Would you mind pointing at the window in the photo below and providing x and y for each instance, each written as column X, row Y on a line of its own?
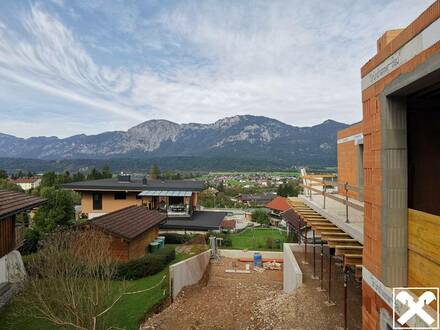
column 97, row 201
column 120, row 195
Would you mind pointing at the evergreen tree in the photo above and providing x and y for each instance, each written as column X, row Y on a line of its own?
column 154, row 172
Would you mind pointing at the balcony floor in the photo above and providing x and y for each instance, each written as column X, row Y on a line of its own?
column 335, row 212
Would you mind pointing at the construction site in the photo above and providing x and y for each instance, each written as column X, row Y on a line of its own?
column 361, row 233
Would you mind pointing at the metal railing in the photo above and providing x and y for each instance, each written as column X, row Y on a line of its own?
column 310, row 182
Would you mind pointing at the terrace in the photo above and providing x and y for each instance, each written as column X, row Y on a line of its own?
column 338, row 202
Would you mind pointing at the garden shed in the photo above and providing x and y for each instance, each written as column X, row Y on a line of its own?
column 131, row 230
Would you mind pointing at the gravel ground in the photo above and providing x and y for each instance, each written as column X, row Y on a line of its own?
column 245, row 301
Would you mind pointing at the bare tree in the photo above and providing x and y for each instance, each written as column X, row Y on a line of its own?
column 70, row 280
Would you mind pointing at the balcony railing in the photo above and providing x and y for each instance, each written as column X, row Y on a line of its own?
column 337, row 191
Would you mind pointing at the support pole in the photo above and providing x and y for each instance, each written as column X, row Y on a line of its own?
column 346, row 202
column 321, row 281
column 329, row 302
column 324, row 192
column 345, row 297
column 314, row 258
column 305, row 248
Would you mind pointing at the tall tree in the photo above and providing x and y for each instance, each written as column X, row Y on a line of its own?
column 8, row 185
column 154, row 172
column 57, row 212
column 3, row 174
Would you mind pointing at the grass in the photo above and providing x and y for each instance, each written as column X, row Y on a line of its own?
column 256, row 239
column 127, row 313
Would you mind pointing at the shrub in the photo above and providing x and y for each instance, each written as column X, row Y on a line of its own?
column 260, row 216
column 171, row 238
column 151, row 264
column 227, row 242
column 269, row 243
column 31, row 240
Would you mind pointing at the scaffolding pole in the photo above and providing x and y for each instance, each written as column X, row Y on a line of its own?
column 321, row 280
column 305, row 247
column 345, row 297
column 329, row 302
column 314, row 256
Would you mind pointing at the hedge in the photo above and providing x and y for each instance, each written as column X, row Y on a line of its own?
column 171, row 238
column 151, row 264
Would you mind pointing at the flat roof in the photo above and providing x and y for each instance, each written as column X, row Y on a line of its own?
column 199, row 221
column 136, row 185
column 12, row 202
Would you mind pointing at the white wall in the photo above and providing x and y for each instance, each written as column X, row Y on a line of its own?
column 292, row 274
column 188, row 272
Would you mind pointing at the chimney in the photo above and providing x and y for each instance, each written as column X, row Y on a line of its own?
column 124, row 177
column 144, row 180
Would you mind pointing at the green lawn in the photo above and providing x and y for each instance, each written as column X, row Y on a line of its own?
column 126, row 314
column 256, row 239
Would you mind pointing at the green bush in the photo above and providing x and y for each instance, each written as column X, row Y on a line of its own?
column 227, row 242
column 260, row 216
column 176, row 238
column 31, row 240
column 151, row 264
column 269, row 243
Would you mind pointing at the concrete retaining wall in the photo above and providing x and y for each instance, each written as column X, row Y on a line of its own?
column 292, row 274
column 188, row 272
column 249, row 254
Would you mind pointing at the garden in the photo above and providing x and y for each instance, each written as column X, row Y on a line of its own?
column 266, row 239
column 72, row 284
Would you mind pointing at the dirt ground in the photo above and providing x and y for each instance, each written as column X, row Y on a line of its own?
column 246, row 301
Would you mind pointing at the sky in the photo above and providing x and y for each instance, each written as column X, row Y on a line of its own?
column 88, row 66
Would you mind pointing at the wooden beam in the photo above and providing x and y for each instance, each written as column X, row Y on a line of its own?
column 353, row 259
column 335, row 233
column 341, row 250
column 332, row 237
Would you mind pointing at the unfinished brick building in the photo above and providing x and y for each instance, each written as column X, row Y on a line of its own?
column 401, row 161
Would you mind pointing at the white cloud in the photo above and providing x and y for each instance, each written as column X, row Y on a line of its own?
column 50, row 59
column 297, row 61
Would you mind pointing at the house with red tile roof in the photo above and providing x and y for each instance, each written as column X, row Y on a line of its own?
column 28, row 183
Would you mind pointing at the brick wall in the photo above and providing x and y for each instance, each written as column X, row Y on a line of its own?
column 347, row 158
column 372, row 153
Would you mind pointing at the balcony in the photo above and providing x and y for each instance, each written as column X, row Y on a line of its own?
column 339, row 202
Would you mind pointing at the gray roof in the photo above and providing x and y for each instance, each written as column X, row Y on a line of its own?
column 199, row 221
column 169, row 193
column 136, row 185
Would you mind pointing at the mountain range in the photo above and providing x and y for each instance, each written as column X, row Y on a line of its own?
column 238, row 137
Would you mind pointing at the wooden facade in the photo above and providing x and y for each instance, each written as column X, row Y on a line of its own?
column 7, row 235
column 423, row 249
